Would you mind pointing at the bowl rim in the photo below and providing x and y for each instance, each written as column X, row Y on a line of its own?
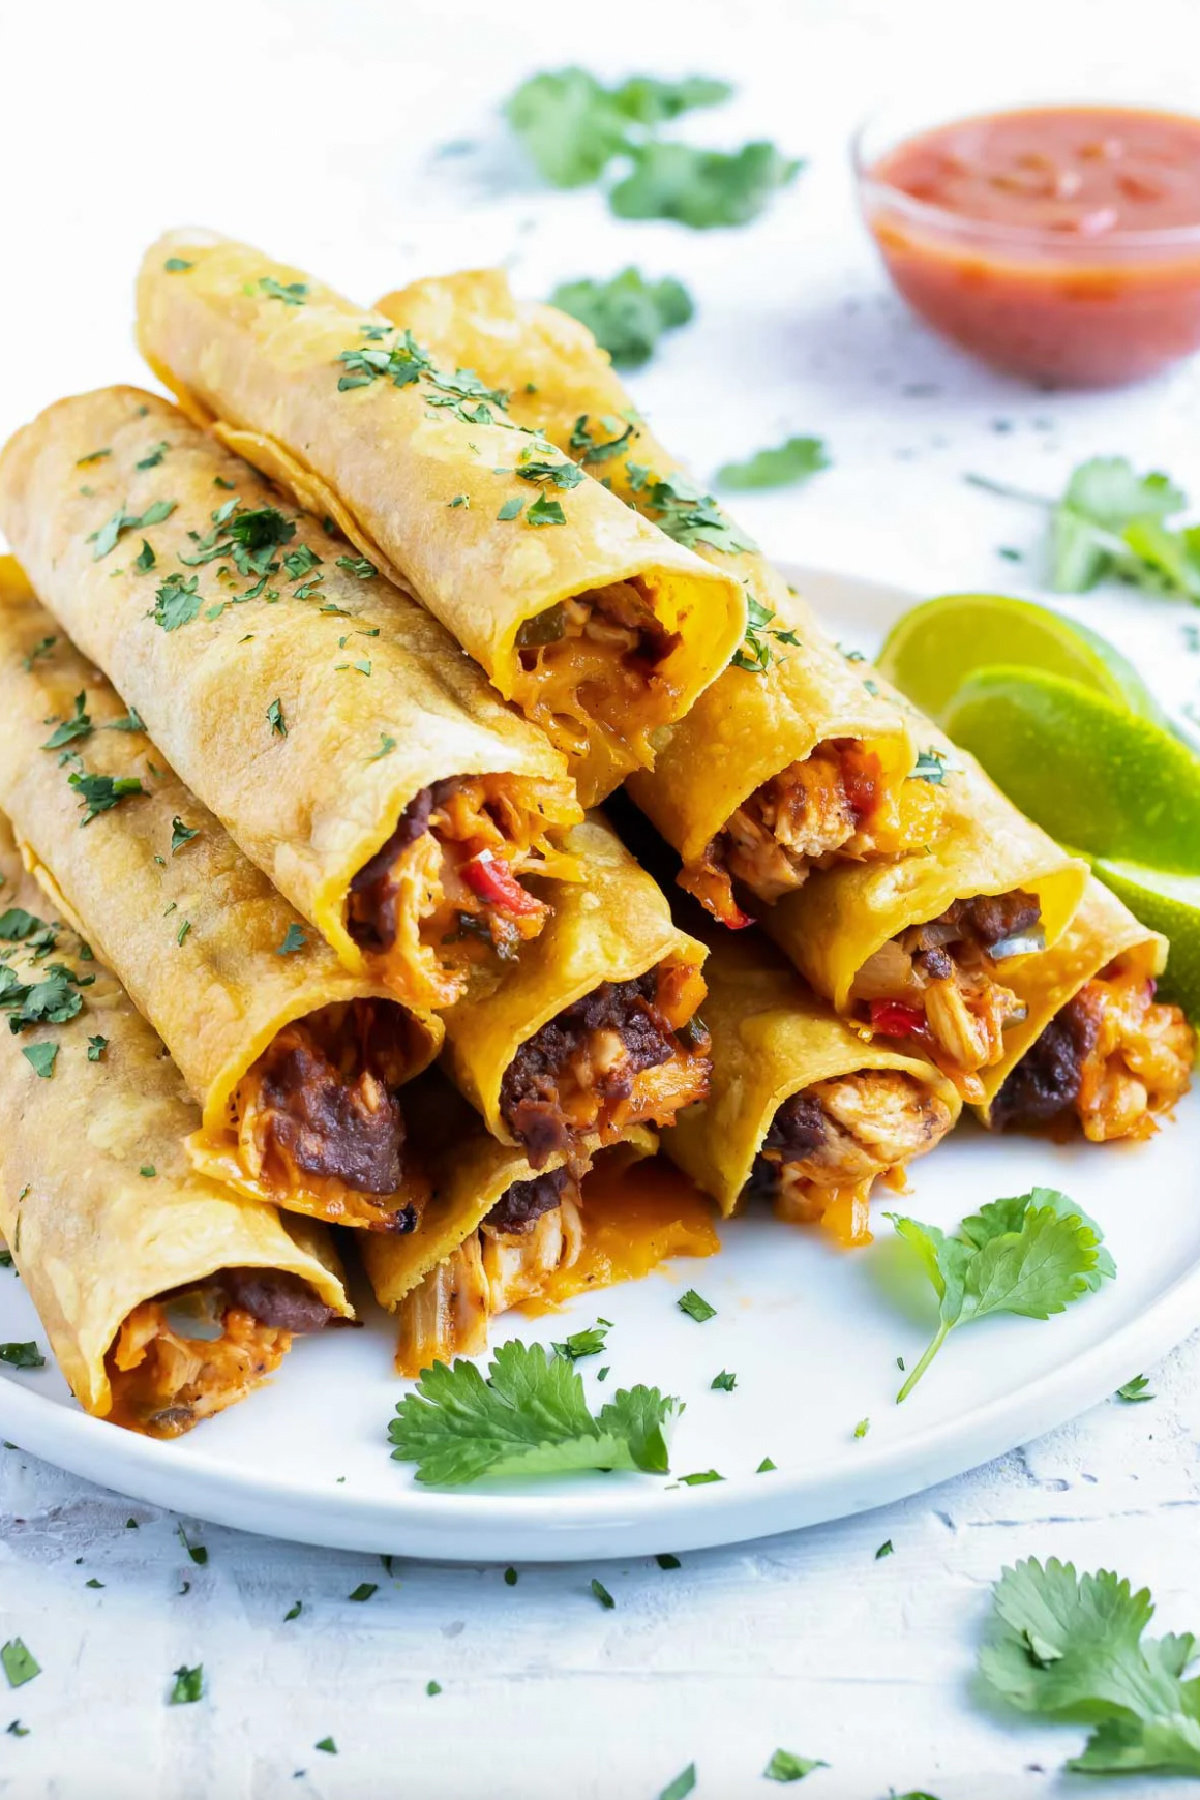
column 946, row 221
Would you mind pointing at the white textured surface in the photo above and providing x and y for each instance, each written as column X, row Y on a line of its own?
column 307, row 127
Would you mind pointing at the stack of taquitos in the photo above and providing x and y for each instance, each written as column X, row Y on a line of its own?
column 165, row 1296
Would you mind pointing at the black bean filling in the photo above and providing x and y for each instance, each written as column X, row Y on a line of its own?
column 1046, row 1081
column 799, row 1127
column 526, row 1201
column 374, row 890
column 277, row 1298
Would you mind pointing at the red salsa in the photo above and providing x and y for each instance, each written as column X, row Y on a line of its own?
column 1061, row 243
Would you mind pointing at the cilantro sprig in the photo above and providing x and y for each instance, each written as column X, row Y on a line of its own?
column 755, row 653
column 528, row 1418
column 1072, row 1647
column 627, row 314
column 796, row 459
column 1032, row 1255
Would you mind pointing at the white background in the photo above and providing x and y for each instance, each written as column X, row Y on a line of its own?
column 313, row 130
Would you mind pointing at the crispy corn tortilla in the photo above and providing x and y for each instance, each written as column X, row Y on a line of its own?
column 92, row 1234
column 217, row 992
column 772, row 1038
column 415, row 474
column 610, row 927
column 746, row 727
column 311, row 799
column 1102, row 929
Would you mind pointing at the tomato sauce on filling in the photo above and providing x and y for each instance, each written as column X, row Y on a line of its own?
column 1037, row 240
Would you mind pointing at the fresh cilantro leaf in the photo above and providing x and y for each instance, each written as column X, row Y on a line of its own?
column 797, row 459
column 147, row 1171
column 649, row 101
column 1103, row 498
column 74, row 729
column 511, row 508
column 293, row 293
column 785, row 1765
column 41, row 1059
column 19, row 1663
column 701, row 1478
column 300, row 562
column 145, row 558
column 1135, row 1390
column 177, row 601
column 887, row 1548
column 275, row 718
column 41, row 650
column 132, row 721
column 543, row 473
column 153, row 457
column 602, row 1594
column 686, row 514
column 1072, row 1647
column 695, row 1307
column 701, row 188
column 765, row 1467
column 510, row 1578
column 528, row 1418
column 725, row 1381
column 682, row 1785
column 433, row 1688
column 569, row 124
column 106, row 538
column 327, row 1744
column 1032, row 1255
column 19, row 926
column 862, row 1428
column 22, row 1356
column 545, row 512
column 181, row 834
column 364, row 1590
column 756, row 652
column 197, row 1552
column 358, row 566
column 588, row 1342
column 932, row 766
column 175, row 265
column 100, row 793
column 386, row 746
column 49, row 1002
column 96, row 1048
column 666, row 1561
column 189, row 1686
column 626, row 314
column 600, row 449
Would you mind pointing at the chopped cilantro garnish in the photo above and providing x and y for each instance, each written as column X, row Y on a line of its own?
column 148, row 1171
column 91, row 457
column 545, row 512
column 327, row 1744
column 463, row 500
column 543, row 473
column 364, row 1590
column 197, row 1552
column 511, row 508
column 177, row 601
column 22, row 1356
column 433, row 1688
column 600, row 449
column 795, row 460
column 299, row 562
column 19, row 1663
column 41, row 650
column 931, row 766
column 626, row 314
column 862, row 1428
column 293, row 1611
column 1032, row 1255
column 682, row 1786
column 49, row 1002
column 153, row 457
column 275, row 718
column 725, row 1381
column 175, row 265
column 1135, row 1390
column 695, row 1307
column 144, row 561
column 294, row 293
column 702, row 188
column 358, row 566
column 887, row 1548
column 755, row 653
column 588, row 1342
column 1073, row 1647
column 183, row 932
column 686, row 514
column 701, row 1478
column 189, row 1685
column 293, row 939
column 765, row 1467
column 19, row 926
column 510, row 1578
column 100, row 793
column 96, row 1048
column 41, row 1058
column 529, row 1417
column 666, row 1561
column 181, row 834
column 106, row 538
column 602, row 1594
column 386, row 746
column 572, row 127
column 77, row 727
column 14, row 1728
column 785, row 1765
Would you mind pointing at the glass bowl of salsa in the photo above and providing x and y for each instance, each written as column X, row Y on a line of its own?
column 1060, row 242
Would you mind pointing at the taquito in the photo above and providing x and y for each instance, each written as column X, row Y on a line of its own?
column 165, row 1297
column 594, row 1028
column 1095, row 1049
column 596, row 626
column 295, row 1062
column 926, row 951
column 498, row 1234
column 796, row 757
column 801, row 1110
column 352, row 750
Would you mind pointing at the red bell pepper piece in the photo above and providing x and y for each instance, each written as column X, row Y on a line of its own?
column 494, row 882
column 894, row 1019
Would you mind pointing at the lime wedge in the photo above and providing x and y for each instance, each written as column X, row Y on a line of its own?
column 1170, row 904
column 932, row 650
column 1090, row 772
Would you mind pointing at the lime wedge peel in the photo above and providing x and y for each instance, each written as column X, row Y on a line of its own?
column 1166, row 903
column 936, row 646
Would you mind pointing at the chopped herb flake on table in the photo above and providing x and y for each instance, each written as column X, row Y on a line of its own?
column 602, row 1594
column 682, row 1785
column 696, row 1307
column 588, row 1342
column 1135, row 1390
column 725, row 1381
column 785, row 1765
column 19, row 1663
column 22, row 1356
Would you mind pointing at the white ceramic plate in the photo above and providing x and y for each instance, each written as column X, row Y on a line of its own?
column 812, row 1334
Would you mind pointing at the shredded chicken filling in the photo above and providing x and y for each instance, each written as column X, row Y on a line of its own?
column 317, row 1121
column 829, row 1144
column 1112, row 1059
column 938, row 983
column 838, row 805
column 594, row 666
column 496, row 1268
column 442, row 901
column 182, row 1358
column 628, row 1053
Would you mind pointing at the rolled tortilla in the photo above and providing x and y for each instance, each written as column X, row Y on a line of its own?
column 114, row 1233
column 294, row 1061
column 1094, row 1047
column 599, row 629
column 726, row 774
column 318, row 717
column 498, row 1234
column 868, row 1109
column 592, row 1030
